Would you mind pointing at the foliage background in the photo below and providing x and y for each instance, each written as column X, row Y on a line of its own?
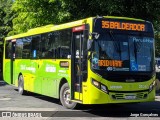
column 17, row 16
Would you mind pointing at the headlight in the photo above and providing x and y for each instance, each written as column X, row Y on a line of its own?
column 95, row 83
column 100, row 86
column 104, row 88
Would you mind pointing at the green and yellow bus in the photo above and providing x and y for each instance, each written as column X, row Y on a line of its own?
column 97, row 60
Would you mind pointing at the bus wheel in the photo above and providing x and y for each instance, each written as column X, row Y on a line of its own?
column 21, row 85
column 65, row 97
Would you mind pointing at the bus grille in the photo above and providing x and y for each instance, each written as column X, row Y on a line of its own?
column 122, row 96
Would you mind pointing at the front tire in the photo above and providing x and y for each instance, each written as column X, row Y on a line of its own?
column 65, row 97
column 21, row 85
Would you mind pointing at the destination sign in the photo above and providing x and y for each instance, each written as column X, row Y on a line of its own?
column 123, row 25
column 110, row 63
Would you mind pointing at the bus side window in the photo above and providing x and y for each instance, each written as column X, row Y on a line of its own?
column 26, row 50
column 35, row 50
column 44, row 45
column 51, row 45
column 8, row 49
column 65, row 38
column 19, row 48
column 64, row 52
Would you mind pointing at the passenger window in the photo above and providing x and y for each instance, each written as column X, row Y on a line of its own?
column 26, row 52
column 35, row 49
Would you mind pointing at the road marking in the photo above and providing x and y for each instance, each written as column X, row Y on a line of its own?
column 27, row 109
column 5, row 99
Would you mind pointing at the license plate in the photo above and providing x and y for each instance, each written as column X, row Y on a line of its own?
column 130, row 97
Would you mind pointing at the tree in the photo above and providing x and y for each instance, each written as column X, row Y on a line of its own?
column 34, row 13
column 6, row 16
column 157, row 43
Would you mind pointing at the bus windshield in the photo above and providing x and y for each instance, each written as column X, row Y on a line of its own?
column 123, row 52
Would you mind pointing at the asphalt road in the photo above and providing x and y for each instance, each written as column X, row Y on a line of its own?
column 33, row 106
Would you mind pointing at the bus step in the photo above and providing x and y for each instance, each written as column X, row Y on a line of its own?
column 77, row 101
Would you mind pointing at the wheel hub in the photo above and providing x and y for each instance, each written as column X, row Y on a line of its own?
column 67, row 96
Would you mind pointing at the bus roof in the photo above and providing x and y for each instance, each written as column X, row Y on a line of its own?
column 49, row 28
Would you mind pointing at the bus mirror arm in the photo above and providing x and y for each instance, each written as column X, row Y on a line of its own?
column 89, row 44
column 90, row 47
column 90, row 55
column 94, row 36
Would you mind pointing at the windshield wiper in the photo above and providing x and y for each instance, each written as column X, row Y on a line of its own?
column 136, row 49
column 116, row 43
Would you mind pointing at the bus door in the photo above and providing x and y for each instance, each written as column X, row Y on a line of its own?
column 12, row 70
column 78, row 62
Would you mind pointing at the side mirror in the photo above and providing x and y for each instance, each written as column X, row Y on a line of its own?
column 94, row 36
column 89, row 44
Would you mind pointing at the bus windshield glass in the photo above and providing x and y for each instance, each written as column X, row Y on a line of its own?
column 127, row 50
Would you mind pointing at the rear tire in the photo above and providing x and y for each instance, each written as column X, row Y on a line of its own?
column 21, row 85
column 65, row 97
